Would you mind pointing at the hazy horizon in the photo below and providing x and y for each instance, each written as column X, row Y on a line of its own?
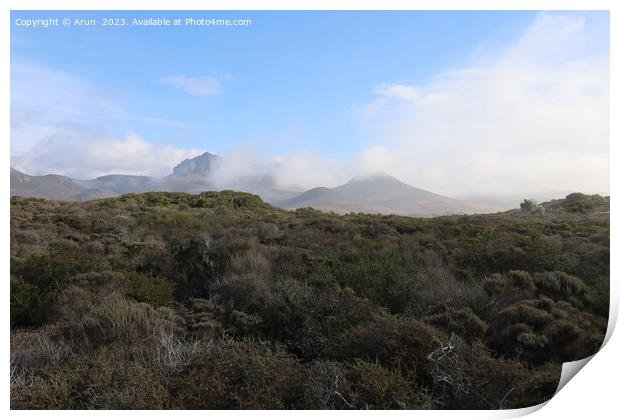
column 487, row 106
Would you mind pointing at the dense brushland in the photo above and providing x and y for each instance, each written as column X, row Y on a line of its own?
column 218, row 300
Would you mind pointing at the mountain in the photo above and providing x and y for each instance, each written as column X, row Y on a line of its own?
column 404, row 199
column 201, row 166
column 55, row 187
column 188, row 176
column 326, row 199
column 121, row 184
column 382, row 194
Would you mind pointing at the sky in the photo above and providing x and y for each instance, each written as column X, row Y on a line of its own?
column 476, row 104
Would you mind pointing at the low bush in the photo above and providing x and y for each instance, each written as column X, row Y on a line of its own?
column 463, row 322
column 231, row 374
column 109, row 380
column 143, row 288
column 542, row 330
column 394, row 341
column 363, row 385
column 118, row 320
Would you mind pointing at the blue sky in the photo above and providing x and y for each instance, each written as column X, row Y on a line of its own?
column 295, row 76
column 332, row 85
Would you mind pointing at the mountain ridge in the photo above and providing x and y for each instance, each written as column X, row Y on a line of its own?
column 377, row 193
column 385, row 194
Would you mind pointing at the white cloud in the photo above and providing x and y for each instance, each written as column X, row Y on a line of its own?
column 59, row 125
column 76, row 158
column 196, row 86
column 296, row 171
column 402, row 92
column 45, row 102
column 534, row 117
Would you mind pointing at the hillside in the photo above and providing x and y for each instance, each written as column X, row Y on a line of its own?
column 326, row 199
column 405, row 199
column 188, row 176
column 381, row 194
column 56, row 187
column 219, row 300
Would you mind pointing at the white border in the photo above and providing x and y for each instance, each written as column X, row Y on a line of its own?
column 592, row 394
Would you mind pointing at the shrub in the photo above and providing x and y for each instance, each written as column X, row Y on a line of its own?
column 527, row 205
column 28, row 307
column 109, row 380
column 118, row 320
column 463, row 322
column 150, row 256
column 363, row 385
column 40, row 277
column 53, row 271
column 324, row 314
column 193, row 270
column 396, row 342
column 375, row 387
column 250, row 261
column 437, row 289
column 33, row 350
column 173, row 354
column 257, row 296
column 508, row 383
column 380, row 276
column 154, row 291
column 542, row 330
column 245, row 374
column 559, row 285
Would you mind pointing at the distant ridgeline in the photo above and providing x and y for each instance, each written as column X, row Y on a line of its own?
column 378, row 193
column 374, row 194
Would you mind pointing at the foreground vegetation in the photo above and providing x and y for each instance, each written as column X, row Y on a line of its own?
column 217, row 301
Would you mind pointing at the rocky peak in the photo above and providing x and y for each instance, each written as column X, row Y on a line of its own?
column 200, row 165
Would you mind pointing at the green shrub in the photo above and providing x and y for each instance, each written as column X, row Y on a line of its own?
column 542, row 330
column 243, row 374
column 382, row 276
column 151, row 290
column 463, row 322
column 559, row 285
column 394, row 341
column 27, row 305
column 42, row 276
column 193, row 270
column 260, row 298
column 52, row 271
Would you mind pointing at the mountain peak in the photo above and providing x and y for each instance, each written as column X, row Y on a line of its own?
column 200, row 165
column 373, row 176
column 377, row 180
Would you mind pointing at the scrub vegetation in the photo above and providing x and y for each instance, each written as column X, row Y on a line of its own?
column 220, row 301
